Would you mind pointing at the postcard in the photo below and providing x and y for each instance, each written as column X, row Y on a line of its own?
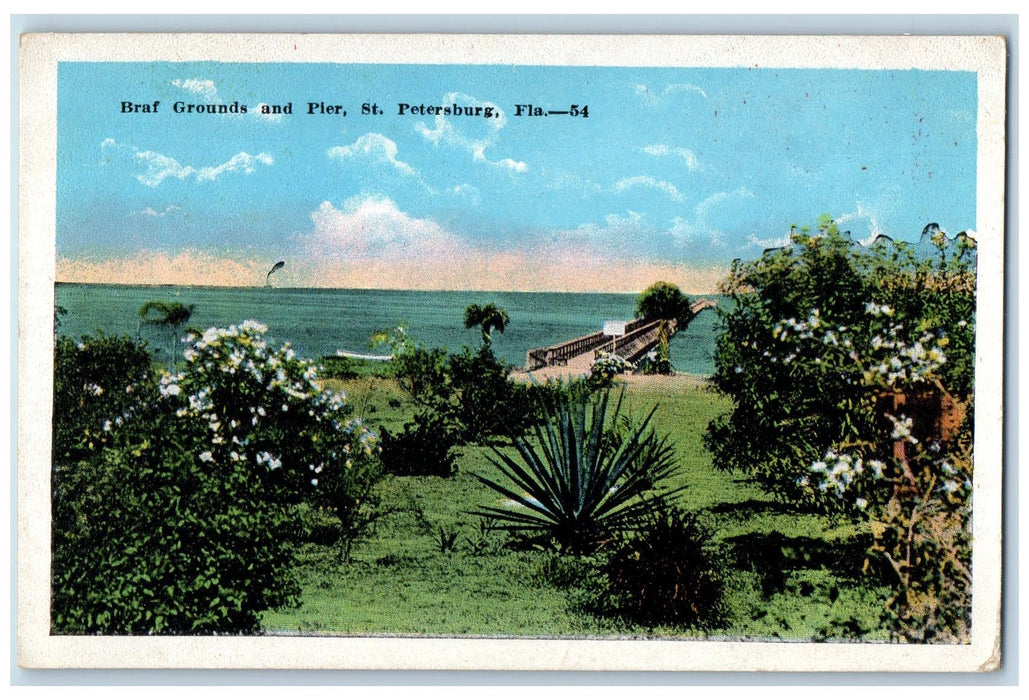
column 510, row 352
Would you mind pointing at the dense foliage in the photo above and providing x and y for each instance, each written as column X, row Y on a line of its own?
column 663, row 573
column 95, row 380
column 468, row 397
column 178, row 513
column 663, row 300
column 425, row 447
column 851, row 373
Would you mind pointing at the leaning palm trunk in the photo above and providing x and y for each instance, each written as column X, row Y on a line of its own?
column 579, row 482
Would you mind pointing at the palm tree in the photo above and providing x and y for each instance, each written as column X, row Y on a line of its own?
column 488, row 318
column 166, row 314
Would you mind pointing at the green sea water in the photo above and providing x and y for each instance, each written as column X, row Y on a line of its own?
column 320, row 322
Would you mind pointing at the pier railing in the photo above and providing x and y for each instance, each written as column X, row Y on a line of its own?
column 640, row 336
column 635, row 344
column 560, row 353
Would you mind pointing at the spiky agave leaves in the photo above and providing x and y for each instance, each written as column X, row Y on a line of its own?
column 580, row 481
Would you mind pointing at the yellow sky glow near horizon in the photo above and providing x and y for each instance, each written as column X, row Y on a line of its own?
column 515, row 272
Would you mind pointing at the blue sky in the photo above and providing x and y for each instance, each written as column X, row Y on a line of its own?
column 675, row 172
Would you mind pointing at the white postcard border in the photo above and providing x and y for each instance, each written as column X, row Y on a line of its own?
column 40, row 55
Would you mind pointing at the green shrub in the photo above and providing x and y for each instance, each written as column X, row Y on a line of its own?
column 605, row 367
column 180, row 515
column 425, row 447
column 338, row 367
column 663, row 574
column 579, row 483
column 471, row 392
column 664, row 300
column 98, row 381
column 817, row 332
column 851, row 370
column 149, row 539
column 487, row 402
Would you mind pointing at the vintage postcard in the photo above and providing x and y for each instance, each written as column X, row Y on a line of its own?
column 510, row 352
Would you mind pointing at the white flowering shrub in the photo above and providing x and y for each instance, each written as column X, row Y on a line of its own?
column 182, row 515
column 851, row 374
column 605, row 366
column 264, row 408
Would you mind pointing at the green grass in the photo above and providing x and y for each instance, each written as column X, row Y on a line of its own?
column 787, row 575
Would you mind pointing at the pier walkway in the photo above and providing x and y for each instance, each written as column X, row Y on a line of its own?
column 575, row 357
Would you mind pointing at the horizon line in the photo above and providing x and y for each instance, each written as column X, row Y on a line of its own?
column 364, row 289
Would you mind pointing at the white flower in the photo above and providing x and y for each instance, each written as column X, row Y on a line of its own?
column 206, row 456
column 860, row 503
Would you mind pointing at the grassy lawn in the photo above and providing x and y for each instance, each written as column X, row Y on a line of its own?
column 429, row 568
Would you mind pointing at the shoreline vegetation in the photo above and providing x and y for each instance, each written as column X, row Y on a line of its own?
column 806, row 490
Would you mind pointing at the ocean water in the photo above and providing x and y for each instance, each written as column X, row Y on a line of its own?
column 319, row 322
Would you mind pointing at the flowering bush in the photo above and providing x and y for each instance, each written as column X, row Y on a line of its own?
column 264, row 408
column 97, row 381
column 180, row 518
column 604, row 368
column 851, row 372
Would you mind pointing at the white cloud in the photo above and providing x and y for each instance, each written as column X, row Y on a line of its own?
column 675, row 88
column 655, row 94
column 468, row 192
column 369, row 242
column 159, row 167
column 373, row 226
column 650, row 183
column 241, row 162
column 152, row 213
column 701, row 229
column 862, row 214
column 617, row 228
column 509, row 163
column 718, row 197
column 660, row 150
column 766, row 243
column 197, row 86
column 446, row 133
column 374, row 147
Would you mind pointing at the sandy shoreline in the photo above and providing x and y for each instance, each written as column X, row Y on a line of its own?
column 678, row 379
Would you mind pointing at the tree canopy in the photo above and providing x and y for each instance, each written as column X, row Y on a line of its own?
column 488, row 317
column 664, row 300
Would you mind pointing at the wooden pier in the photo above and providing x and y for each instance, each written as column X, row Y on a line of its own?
column 640, row 337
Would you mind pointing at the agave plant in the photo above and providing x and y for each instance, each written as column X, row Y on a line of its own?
column 579, row 481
